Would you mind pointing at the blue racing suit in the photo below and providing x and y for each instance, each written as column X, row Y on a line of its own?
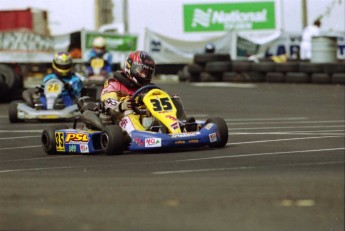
column 108, row 58
column 72, row 90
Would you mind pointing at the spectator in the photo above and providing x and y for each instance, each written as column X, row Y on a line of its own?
column 307, row 34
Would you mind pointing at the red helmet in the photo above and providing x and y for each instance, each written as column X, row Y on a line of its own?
column 139, row 68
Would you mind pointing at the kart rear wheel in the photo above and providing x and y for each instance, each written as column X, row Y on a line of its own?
column 112, row 140
column 13, row 112
column 48, row 139
column 223, row 131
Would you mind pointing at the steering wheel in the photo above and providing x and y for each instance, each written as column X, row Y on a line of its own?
column 139, row 92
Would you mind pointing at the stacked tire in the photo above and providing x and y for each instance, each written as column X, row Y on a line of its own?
column 10, row 82
column 206, row 68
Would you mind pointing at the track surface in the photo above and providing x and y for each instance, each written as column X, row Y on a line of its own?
column 283, row 169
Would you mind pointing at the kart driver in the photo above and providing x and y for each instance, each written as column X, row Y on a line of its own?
column 62, row 66
column 99, row 50
column 138, row 70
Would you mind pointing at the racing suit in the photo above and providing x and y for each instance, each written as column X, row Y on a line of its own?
column 115, row 91
column 72, row 88
column 107, row 57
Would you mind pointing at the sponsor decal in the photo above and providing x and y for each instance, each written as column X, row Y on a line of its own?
column 229, row 16
column 208, row 126
column 110, row 103
column 180, row 142
column 153, row 142
column 76, row 137
column 123, row 123
column 84, row 148
column 174, row 126
column 186, row 134
column 193, row 141
column 59, row 140
column 72, row 148
column 139, row 141
column 213, row 137
column 171, row 117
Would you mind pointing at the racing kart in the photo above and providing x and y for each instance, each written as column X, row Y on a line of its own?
column 48, row 104
column 97, row 71
column 158, row 122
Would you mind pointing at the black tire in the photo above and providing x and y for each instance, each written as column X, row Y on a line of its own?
column 112, row 140
column 275, row 77
column 320, row 78
column 310, row 67
column 338, row 78
column 202, row 59
column 210, row 77
column 223, row 131
column 8, row 76
column 13, row 111
column 241, row 66
column 256, row 77
column 286, row 67
column 218, row 67
column 183, row 76
column 263, row 66
column 194, row 68
column 296, row 77
column 48, row 139
column 232, row 77
column 331, row 68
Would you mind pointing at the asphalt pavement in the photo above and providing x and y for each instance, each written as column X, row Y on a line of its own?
column 282, row 169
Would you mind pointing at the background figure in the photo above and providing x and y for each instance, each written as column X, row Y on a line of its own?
column 99, row 50
column 307, row 34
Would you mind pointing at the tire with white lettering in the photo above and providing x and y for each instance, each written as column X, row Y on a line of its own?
column 223, row 132
column 113, row 140
column 49, row 139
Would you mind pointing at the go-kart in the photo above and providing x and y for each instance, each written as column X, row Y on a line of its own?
column 157, row 122
column 48, row 104
column 97, row 71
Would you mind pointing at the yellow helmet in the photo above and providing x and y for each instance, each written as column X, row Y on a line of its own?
column 62, row 63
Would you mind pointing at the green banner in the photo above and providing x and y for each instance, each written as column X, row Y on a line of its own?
column 115, row 42
column 229, row 16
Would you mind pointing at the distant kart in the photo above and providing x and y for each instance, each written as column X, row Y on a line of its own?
column 153, row 125
column 50, row 105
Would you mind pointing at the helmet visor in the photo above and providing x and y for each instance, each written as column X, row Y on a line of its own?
column 143, row 73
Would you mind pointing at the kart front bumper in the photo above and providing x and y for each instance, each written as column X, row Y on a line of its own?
column 26, row 113
column 143, row 140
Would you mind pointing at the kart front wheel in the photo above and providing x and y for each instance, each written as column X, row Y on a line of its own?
column 223, row 132
column 13, row 112
column 49, row 139
column 112, row 140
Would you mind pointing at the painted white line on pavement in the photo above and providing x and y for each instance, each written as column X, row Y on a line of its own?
column 38, row 169
column 264, row 128
column 222, row 84
column 266, row 119
column 18, row 137
column 248, row 167
column 278, row 140
column 32, row 146
column 262, row 154
column 291, row 122
column 39, row 158
column 321, row 133
column 20, row 131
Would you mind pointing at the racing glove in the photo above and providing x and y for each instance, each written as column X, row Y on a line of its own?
column 126, row 104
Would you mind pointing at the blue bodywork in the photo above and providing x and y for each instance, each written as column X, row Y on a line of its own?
column 82, row 141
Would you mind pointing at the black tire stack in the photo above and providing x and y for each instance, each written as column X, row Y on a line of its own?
column 206, row 68
column 10, row 82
